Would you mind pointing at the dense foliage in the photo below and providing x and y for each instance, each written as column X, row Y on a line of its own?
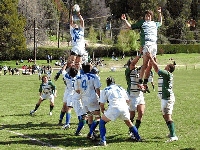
column 102, row 21
column 11, row 29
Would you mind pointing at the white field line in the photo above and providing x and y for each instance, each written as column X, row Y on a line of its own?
column 46, row 144
column 33, row 139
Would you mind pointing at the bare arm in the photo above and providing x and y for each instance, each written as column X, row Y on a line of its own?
column 154, row 64
column 102, row 107
column 159, row 15
column 81, row 20
column 64, row 67
column 97, row 91
column 134, row 61
column 123, row 17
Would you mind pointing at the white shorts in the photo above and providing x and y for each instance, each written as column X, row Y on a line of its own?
column 113, row 113
column 67, row 98
column 150, row 79
column 135, row 101
column 47, row 96
column 77, row 104
column 78, row 50
column 160, row 96
column 151, row 48
column 91, row 103
column 167, row 105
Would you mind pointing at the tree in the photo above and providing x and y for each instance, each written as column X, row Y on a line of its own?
column 11, row 29
column 92, row 35
column 127, row 40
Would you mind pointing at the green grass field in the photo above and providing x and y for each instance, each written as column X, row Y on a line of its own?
column 20, row 131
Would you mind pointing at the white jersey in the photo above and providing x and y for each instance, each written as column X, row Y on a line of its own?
column 150, row 31
column 69, row 81
column 78, row 42
column 87, row 83
column 115, row 95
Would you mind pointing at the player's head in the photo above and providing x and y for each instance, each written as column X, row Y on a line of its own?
column 73, row 72
column 95, row 70
column 148, row 15
column 110, row 80
column 44, row 78
column 76, row 26
column 86, row 67
column 170, row 67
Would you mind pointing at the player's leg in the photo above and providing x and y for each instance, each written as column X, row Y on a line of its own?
column 95, row 123
column 102, row 129
column 37, row 105
column 51, row 104
column 142, row 71
column 140, row 110
column 82, row 121
column 167, row 108
column 146, row 76
column 62, row 113
column 68, row 117
column 64, row 108
column 132, row 129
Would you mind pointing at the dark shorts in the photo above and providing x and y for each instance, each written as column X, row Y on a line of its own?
column 72, row 53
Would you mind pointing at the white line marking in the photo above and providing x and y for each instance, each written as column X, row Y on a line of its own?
column 33, row 139
column 46, row 144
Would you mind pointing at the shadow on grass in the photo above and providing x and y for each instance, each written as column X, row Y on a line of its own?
column 30, row 125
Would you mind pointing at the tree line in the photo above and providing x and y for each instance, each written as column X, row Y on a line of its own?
column 25, row 23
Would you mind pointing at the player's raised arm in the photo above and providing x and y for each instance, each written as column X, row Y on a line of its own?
column 160, row 15
column 123, row 17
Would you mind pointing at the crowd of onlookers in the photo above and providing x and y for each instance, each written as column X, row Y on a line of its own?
column 26, row 69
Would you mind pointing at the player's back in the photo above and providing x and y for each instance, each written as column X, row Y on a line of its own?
column 116, row 95
column 88, row 83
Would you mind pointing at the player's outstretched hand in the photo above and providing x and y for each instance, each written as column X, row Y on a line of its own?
column 123, row 17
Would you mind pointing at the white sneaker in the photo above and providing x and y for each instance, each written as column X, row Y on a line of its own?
column 132, row 136
column 32, row 112
column 171, row 139
column 66, row 126
column 50, row 113
column 102, row 143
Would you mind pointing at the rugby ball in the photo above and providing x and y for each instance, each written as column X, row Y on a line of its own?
column 76, row 8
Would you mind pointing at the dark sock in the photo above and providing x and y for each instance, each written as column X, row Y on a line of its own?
column 51, row 108
column 62, row 114
column 140, row 81
column 145, row 81
column 36, row 107
column 171, row 127
column 137, row 124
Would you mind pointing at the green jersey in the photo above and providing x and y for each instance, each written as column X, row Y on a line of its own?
column 167, row 84
column 148, row 30
column 47, row 88
column 128, row 79
column 132, row 79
